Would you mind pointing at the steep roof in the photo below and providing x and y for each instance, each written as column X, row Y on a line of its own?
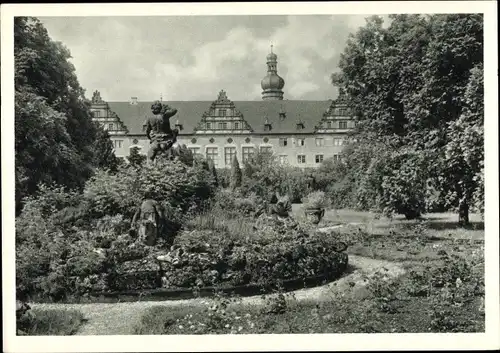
column 254, row 112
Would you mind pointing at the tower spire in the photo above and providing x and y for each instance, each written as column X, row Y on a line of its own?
column 272, row 84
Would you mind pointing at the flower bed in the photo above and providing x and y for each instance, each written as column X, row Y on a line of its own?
column 204, row 259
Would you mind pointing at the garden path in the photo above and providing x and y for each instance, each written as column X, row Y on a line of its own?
column 120, row 318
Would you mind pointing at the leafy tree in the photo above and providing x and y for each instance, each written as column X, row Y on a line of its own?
column 54, row 133
column 135, row 158
column 407, row 86
column 235, row 174
column 104, row 154
column 463, row 162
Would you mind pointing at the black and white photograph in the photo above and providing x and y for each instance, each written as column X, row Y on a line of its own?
column 224, row 171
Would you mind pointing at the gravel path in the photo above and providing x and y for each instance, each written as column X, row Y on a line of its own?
column 120, row 318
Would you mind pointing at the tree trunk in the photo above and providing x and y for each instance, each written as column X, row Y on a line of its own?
column 463, row 213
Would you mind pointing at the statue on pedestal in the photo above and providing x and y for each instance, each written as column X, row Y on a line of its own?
column 162, row 137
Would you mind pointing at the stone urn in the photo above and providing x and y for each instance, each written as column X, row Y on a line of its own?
column 314, row 215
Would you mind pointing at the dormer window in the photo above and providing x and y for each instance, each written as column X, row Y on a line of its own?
column 300, row 125
column 282, row 114
column 267, row 125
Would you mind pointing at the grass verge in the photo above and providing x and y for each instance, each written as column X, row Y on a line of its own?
column 50, row 322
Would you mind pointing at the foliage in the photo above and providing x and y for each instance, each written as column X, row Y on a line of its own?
column 213, row 171
column 104, row 153
column 54, row 133
column 463, row 163
column 264, row 176
column 50, row 322
column 135, row 158
column 409, row 84
column 235, row 203
column 213, row 252
column 316, row 199
column 70, row 244
column 235, row 174
column 169, row 182
column 408, row 303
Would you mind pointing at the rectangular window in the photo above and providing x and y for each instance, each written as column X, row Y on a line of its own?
column 329, row 124
column 266, row 149
column 195, row 151
column 247, row 153
column 213, row 155
column 209, row 126
column 111, row 127
column 343, row 111
column 319, row 158
column 301, row 159
column 283, row 159
column 118, row 143
column 320, row 141
column 342, row 124
column 222, row 126
column 97, row 114
column 236, row 125
column 222, row 112
column 301, row 142
column 229, row 153
column 337, row 142
column 336, row 157
column 283, row 142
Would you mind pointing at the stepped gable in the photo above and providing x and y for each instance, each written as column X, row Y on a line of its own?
column 223, row 110
column 333, row 110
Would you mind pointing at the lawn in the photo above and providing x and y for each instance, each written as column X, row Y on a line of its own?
column 50, row 322
column 441, row 291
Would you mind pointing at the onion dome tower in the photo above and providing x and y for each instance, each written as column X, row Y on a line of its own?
column 272, row 84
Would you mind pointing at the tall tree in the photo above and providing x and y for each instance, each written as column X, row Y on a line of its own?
column 407, row 86
column 55, row 135
column 236, row 175
column 104, row 153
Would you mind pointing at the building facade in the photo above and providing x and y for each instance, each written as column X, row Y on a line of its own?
column 300, row 133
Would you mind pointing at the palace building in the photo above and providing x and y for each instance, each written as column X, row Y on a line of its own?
column 299, row 132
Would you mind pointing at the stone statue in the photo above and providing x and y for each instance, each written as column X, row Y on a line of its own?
column 158, row 130
column 150, row 219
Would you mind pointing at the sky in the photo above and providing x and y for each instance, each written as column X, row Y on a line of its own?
column 187, row 58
